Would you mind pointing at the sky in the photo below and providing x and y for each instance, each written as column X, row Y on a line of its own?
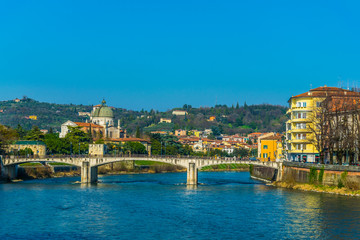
column 162, row 54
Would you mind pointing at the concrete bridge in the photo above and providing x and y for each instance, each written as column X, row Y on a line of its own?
column 89, row 164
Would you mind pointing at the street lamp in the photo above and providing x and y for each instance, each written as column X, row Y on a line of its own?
column 79, row 148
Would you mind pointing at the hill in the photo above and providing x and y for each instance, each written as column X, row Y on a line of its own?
column 240, row 119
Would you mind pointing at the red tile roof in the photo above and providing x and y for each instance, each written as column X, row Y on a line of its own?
column 82, row 124
column 327, row 91
column 129, row 140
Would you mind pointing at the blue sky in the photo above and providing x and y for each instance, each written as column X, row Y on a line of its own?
column 163, row 54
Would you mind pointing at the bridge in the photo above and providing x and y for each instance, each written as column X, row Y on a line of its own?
column 89, row 164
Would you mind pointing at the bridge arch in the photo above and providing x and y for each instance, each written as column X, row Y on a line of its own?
column 96, row 162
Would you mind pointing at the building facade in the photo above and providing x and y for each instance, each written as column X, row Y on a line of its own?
column 271, row 148
column 102, row 124
column 300, row 138
column 37, row 147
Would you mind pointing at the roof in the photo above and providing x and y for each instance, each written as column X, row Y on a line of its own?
column 129, row 140
column 82, row 124
column 24, row 142
column 327, row 91
column 103, row 111
column 272, row 138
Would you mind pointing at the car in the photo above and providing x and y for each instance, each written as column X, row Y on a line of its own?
column 253, row 159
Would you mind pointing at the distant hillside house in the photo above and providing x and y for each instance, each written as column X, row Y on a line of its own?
column 82, row 114
column 212, row 118
column 44, row 131
column 165, row 120
column 180, row 132
column 179, row 112
column 16, row 100
column 33, row 117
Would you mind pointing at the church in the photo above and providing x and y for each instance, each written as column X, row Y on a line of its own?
column 101, row 124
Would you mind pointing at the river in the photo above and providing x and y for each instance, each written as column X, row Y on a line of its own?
column 228, row 205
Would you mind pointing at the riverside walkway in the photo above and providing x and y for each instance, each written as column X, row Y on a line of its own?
column 89, row 164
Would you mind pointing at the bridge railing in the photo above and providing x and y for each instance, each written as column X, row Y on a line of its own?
column 122, row 155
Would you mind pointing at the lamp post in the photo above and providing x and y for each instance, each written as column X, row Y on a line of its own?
column 70, row 148
column 79, row 149
column 161, row 148
column 165, row 148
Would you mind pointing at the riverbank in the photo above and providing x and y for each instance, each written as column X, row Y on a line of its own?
column 318, row 188
column 39, row 171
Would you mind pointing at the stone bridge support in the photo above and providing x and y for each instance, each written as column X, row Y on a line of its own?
column 11, row 171
column 88, row 174
column 192, row 174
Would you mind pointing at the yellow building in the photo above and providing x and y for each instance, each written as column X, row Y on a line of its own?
column 302, row 114
column 33, row 117
column 271, row 148
column 196, row 133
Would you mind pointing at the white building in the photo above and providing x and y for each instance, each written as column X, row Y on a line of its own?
column 101, row 122
column 179, row 113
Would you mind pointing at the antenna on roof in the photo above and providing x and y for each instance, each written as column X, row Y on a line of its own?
column 310, row 86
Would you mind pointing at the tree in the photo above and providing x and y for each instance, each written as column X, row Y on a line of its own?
column 319, row 127
column 21, row 132
column 135, row 147
column 79, row 140
column 35, row 134
column 137, row 134
column 56, row 145
column 6, row 135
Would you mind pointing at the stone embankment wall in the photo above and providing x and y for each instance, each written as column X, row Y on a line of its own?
column 263, row 172
column 292, row 172
column 330, row 175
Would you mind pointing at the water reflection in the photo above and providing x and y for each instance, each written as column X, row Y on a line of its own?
column 162, row 206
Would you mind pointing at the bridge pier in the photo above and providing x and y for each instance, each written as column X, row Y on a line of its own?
column 88, row 174
column 192, row 174
column 11, row 171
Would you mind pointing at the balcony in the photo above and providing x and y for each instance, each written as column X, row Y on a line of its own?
column 305, row 151
column 300, row 141
column 300, row 130
column 300, row 120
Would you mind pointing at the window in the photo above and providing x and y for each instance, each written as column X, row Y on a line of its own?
column 265, row 155
column 301, row 126
column 301, row 104
column 265, row 146
column 300, row 146
column 301, row 136
column 301, row 115
column 318, row 104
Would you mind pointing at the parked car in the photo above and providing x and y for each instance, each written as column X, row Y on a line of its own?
column 253, row 159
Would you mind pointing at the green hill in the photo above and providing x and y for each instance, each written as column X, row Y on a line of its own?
column 229, row 120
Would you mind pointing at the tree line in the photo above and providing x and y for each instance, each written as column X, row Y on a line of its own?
column 335, row 129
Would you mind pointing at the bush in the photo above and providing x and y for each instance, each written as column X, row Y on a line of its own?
column 251, row 168
column 321, row 175
column 313, row 175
